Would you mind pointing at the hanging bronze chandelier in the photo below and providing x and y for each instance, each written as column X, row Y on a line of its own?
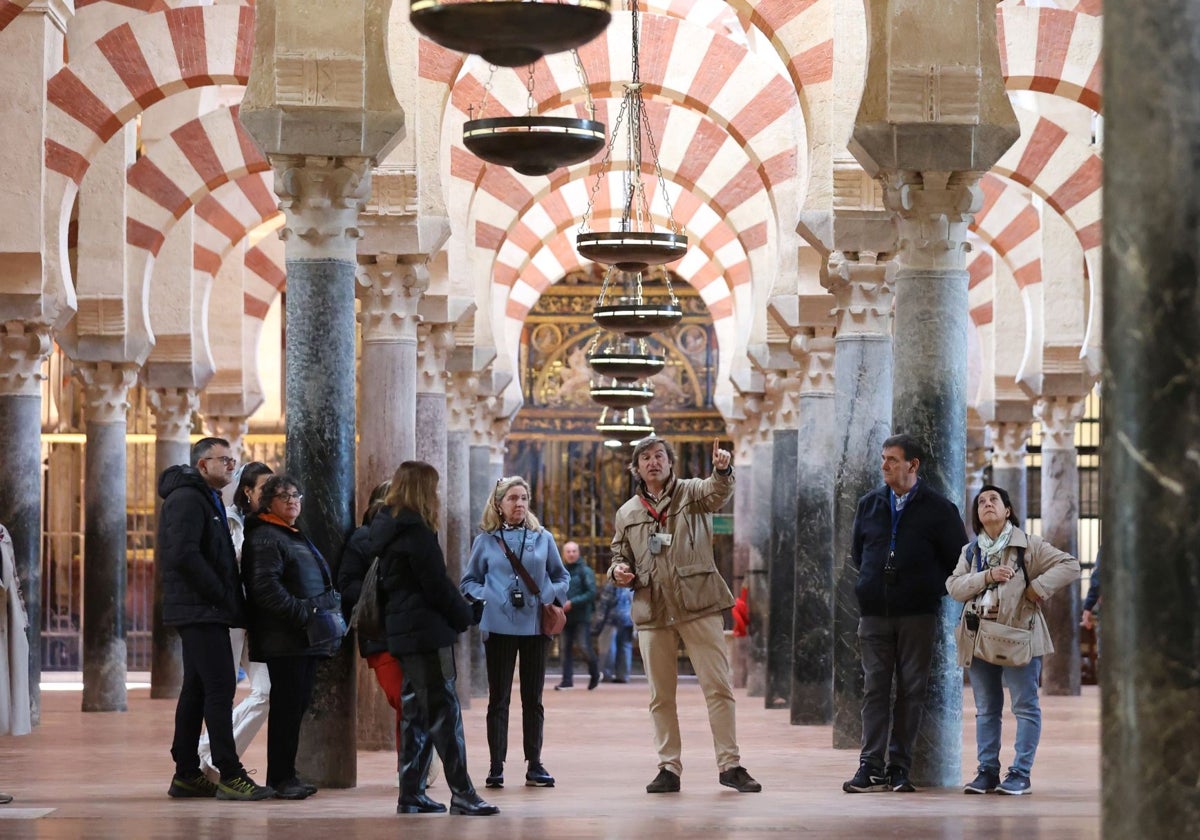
column 630, row 312
column 535, row 145
column 510, row 33
column 625, row 360
column 636, row 244
column 624, row 425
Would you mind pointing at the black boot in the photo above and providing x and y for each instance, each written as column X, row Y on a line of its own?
column 471, row 805
column 419, row 804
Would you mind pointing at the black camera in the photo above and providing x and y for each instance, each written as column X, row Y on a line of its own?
column 972, row 620
column 516, row 597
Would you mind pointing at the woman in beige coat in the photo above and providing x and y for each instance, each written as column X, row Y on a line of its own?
column 1007, row 574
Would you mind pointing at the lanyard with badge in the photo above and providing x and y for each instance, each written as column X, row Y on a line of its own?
column 658, row 539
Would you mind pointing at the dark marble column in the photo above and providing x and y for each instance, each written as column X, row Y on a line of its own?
column 1150, row 710
column 321, row 198
column 759, row 522
column 812, row 611
column 173, row 409
column 930, row 402
column 1008, row 465
column 457, row 479
column 1060, row 527
column 106, row 388
column 23, row 348
column 781, row 572
column 863, row 413
column 487, row 466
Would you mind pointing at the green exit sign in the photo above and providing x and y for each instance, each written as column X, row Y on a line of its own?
column 722, row 523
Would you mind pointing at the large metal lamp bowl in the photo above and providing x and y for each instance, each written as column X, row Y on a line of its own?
column 627, row 367
column 533, row 145
column 631, row 250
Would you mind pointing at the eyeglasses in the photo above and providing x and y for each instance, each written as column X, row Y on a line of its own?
column 290, row 497
column 224, row 459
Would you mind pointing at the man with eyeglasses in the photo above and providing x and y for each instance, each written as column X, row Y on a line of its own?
column 202, row 599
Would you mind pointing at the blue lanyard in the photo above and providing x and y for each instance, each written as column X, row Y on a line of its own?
column 896, row 514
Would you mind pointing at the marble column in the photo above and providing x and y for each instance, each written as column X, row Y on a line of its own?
column 486, row 468
column 1150, row 709
column 1060, row 527
column 390, row 290
column 861, row 285
column 780, row 507
column 321, row 198
column 173, row 409
column 977, row 461
column 743, row 515
column 435, row 341
column 459, row 529
column 105, row 393
column 23, row 349
column 1008, row 466
column 758, row 575
column 812, row 610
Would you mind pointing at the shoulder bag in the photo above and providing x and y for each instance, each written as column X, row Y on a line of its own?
column 326, row 625
column 367, row 615
column 554, row 617
column 1000, row 644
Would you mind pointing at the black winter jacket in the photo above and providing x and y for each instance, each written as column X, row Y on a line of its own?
column 928, row 540
column 356, row 559
column 425, row 611
column 286, row 579
column 195, row 552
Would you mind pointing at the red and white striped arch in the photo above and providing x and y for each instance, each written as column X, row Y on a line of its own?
column 111, row 81
column 1051, row 51
column 10, row 9
column 1009, row 223
column 225, row 217
column 981, row 266
column 265, row 278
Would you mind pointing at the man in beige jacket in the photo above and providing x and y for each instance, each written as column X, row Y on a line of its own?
column 663, row 549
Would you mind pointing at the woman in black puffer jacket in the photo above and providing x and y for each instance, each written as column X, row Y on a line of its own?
column 424, row 615
column 286, row 581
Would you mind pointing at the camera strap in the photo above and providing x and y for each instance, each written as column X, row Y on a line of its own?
column 517, row 565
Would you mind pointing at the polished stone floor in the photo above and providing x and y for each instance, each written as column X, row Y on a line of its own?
column 100, row 776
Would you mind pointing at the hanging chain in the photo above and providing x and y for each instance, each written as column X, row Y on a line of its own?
column 487, row 89
column 584, row 84
column 530, row 104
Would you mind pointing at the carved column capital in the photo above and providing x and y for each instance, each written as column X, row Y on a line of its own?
column 781, row 401
column 321, row 198
column 933, row 210
column 1008, row 444
column 815, row 355
column 231, row 427
column 1058, row 416
column 434, row 343
column 24, row 348
column 748, row 431
column 173, row 409
column 861, row 284
column 390, row 289
column 106, row 390
column 462, row 400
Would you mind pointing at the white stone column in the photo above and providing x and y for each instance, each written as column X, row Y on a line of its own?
column 173, row 409
column 105, row 393
column 435, row 341
column 1008, row 464
column 1060, row 527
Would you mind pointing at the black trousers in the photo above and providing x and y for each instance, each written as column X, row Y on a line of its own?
column 432, row 719
column 578, row 633
column 501, row 653
column 291, row 690
column 206, row 697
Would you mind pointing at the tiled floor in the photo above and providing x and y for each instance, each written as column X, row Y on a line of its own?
column 105, row 775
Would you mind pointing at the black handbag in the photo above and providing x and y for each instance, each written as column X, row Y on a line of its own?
column 367, row 615
column 326, row 625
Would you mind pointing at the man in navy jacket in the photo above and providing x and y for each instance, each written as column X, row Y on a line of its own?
column 907, row 538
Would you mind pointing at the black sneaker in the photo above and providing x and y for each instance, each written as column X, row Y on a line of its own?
column 495, row 776
column 563, row 687
column 868, row 779
column 243, row 788
column 738, row 779
column 986, row 782
column 293, row 788
column 193, row 787
column 664, row 782
column 1015, row 784
column 536, row 776
column 898, row 780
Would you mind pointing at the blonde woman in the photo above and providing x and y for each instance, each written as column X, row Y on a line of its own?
column 511, row 623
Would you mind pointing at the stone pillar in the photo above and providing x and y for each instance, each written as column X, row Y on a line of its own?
column 321, row 197
column 456, row 480
column 743, row 517
column 1008, row 466
column 486, row 468
column 758, row 575
column 861, row 285
column 173, row 409
column 435, row 341
column 812, row 610
column 105, row 393
column 977, row 460
column 1060, row 527
column 783, row 396
column 23, row 349
column 390, row 290
column 1150, row 709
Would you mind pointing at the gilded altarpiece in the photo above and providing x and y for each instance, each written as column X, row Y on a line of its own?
column 579, row 481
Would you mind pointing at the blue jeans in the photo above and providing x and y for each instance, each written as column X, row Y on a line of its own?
column 620, row 653
column 987, row 683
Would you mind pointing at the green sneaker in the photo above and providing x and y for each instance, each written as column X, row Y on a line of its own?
column 244, row 789
column 194, row 787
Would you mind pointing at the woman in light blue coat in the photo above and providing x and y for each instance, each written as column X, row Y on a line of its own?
column 511, row 623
